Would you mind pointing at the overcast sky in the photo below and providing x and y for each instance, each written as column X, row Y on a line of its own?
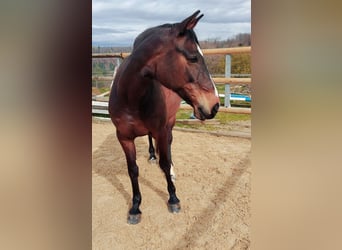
column 118, row 22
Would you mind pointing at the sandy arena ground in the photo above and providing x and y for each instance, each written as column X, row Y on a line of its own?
column 213, row 185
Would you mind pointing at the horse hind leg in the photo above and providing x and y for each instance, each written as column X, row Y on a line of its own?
column 152, row 158
column 134, row 214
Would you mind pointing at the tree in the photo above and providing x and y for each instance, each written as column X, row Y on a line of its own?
column 241, row 64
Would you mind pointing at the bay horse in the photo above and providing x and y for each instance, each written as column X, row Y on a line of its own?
column 165, row 66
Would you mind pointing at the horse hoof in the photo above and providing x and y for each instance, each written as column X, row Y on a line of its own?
column 133, row 219
column 152, row 160
column 174, row 208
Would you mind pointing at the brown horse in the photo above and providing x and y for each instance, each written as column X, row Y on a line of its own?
column 166, row 64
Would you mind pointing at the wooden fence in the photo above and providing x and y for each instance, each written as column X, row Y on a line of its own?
column 227, row 80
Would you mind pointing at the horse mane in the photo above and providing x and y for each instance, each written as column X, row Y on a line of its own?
column 149, row 33
column 192, row 36
column 157, row 30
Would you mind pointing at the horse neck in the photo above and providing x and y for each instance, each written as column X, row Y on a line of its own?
column 172, row 100
column 145, row 52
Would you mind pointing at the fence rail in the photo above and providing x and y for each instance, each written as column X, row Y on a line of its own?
column 217, row 80
column 101, row 107
column 227, row 80
column 218, row 51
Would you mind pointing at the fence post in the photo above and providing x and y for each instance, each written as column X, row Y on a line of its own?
column 227, row 86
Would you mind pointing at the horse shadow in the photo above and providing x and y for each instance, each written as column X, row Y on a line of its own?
column 109, row 162
column 224, row 192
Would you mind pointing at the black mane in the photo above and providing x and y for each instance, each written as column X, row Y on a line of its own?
column 149, row 32
column 193, row 36
column 157, row 29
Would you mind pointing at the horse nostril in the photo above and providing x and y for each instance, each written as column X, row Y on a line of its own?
column 215, row 109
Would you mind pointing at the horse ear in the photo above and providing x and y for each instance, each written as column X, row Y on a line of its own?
column 189, row 23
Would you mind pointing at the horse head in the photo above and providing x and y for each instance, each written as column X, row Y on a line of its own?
column 177, row 63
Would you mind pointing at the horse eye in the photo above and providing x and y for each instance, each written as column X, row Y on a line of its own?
column 193, row 59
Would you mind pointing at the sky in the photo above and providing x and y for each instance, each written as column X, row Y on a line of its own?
column 118, row 22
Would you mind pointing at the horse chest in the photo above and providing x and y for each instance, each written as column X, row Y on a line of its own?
column 129, row 125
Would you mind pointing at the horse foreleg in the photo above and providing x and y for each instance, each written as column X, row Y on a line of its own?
column 152, row 158
column 172, row 173
column 134, row 214
column 165, row 165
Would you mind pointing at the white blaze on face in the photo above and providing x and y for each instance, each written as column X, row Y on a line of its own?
column 212, row 81
column 200, row 51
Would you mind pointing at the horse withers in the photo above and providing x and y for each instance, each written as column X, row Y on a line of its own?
column 165, row 66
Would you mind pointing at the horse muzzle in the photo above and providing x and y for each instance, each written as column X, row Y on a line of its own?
column 205, row 103
column 203, row 113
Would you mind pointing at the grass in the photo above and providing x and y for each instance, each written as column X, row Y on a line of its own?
column 103, row 90
column 220, row 88
column 228, row 117
column 223, row 118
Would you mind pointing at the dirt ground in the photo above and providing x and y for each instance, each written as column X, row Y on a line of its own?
column 213, row 185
